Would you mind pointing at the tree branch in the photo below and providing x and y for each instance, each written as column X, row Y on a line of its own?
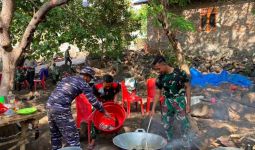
column 5, row 21
column 7, row 12
column 36, row 20
column 170, row 33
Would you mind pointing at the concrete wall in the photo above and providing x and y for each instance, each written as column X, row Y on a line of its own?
column 156, row 37
column 233, row 38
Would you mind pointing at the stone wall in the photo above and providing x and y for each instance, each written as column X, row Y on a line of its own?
column 233, row 40
column 156, row 37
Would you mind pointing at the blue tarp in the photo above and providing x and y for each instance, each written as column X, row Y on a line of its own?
column 202, row 80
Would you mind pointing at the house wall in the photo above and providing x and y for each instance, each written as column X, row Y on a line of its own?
column 234, row 38
column 156, row 39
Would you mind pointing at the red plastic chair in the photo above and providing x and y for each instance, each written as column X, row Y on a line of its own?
column 130, row 98
column 25, row 84
column 42, row 82
column 84, row 112
column 151, row 92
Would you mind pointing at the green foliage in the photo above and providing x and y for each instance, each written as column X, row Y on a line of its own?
column 176, row 22
column 142, row 16
column 181, row 3
column 180, row 23
column 170, row 57
column 164, row 13
column 152, row 75
column 102, row 29
column 155, row 9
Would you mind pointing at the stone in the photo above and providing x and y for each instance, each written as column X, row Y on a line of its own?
column 248, row 98
column 200, row 110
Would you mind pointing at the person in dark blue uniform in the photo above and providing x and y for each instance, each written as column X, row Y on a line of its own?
column 61, row 122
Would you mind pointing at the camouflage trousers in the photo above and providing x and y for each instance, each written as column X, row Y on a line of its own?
column 174, row 110
column 62, row 125
column 94, row 132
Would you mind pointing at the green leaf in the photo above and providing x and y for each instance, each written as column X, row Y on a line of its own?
column 175, row 21
column 181, row 24
column 108, row 20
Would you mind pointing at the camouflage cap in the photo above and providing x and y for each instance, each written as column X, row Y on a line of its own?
column 88, row 70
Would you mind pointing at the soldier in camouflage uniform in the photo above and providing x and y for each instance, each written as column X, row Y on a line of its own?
column 59, row 103
column 175, row 85
column 68, row 57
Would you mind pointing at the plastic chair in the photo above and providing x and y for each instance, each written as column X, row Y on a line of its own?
column 42, row 82
column 84, row 112
column 25, row 84
column 130, row 98
column 151, row 92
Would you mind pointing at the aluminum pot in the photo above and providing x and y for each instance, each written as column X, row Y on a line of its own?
column 139, row 140
column 71, row 148
column 226, row 148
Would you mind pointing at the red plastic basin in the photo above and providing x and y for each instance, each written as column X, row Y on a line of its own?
column 2, row 108
column 118, row 117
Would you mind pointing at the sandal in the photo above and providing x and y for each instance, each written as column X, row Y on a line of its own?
column 91, row 147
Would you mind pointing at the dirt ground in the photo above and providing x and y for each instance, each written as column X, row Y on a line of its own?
column 233, row 113
column 104, row 142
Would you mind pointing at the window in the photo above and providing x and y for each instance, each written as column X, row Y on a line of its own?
column 203, row 22
column 208, row 19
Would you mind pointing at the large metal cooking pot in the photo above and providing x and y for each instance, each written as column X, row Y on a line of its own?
column 139, row 140
column 71, row 148
column 226, row 148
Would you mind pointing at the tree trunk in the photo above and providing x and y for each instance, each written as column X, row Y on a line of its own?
column 9, row 63
column 171, row 35
column 10, row 55
column 21, row 60
column 178, row 52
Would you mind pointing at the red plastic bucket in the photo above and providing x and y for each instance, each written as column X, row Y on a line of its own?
column 2, row 108
column 118, row 117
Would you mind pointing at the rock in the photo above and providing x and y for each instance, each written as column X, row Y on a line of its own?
column 96, row 63
column 252, row 73
column 99, row 72
column 219, row 111
column 196, row 91
column 251, row 97
column 139, row 78
column 217, row 69
column 250, row 117
column 200, row 110
column 202, row 69
column 247, row 98
column 234, row 115
column 207, row 65
column 226, row 141
column 196, row 100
